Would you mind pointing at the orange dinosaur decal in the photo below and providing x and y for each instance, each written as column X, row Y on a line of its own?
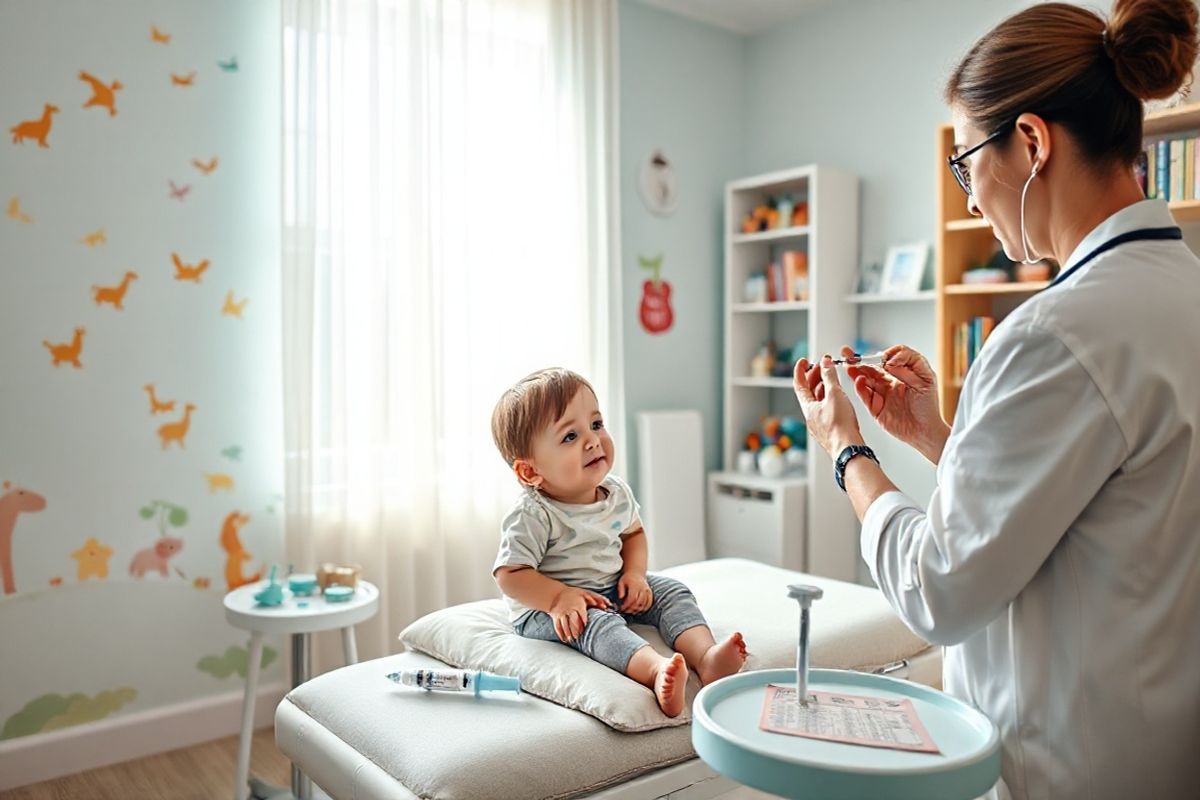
column 103, row 94
column 176, row 431
column 183, row 80
column 205, row 168
column 95, row 237
column 69, row 351
column 114, row 294
column 188, row 272
column 35, row 128
column 158, row 406
column 14, row 502
column 14, row 211
column 232, row 545
column 158, row 36
column 232, row 309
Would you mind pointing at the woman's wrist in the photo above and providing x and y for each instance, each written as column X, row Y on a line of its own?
column 934, row 442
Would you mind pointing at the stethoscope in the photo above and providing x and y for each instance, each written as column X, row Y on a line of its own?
column 1142, row 234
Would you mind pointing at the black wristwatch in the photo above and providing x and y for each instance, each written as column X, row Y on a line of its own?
column 839, row 468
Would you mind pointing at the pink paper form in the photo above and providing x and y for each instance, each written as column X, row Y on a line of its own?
column 852, row 719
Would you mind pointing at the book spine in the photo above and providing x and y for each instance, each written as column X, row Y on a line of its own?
column 1178, row 173
column 1189, row 169
column 1162, row 185
column 1151, row 172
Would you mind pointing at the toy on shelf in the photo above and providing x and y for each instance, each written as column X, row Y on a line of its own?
column 762, row 365
column 784, row 211
column 272, row 593
column 778, row 446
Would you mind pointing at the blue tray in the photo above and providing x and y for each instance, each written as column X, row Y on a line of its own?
column 726, row 735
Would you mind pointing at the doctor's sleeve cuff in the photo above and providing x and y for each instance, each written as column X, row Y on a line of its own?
column 875, row 522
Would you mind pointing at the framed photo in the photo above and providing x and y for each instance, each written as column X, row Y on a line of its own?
column 904, row 268
column 869, row 276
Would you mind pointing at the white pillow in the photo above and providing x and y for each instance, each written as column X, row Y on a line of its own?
column 852, row 628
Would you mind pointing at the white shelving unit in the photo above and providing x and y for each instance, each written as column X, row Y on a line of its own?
column 810, row 508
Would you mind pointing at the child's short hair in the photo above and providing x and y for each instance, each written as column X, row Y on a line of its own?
column 534, row 402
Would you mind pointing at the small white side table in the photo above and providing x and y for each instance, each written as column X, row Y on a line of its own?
column 298, row 616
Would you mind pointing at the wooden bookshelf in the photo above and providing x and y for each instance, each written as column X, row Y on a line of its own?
column 963, row 241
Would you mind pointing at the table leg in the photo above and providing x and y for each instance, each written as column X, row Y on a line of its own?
column 254, row 661
column 301, row 671
column 349, row 645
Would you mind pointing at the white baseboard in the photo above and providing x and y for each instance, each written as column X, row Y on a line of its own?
column 44, row 756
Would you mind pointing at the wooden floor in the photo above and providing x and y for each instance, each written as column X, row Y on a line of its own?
column 203, row 772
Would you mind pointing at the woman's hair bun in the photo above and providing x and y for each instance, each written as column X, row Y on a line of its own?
column 1153, row 45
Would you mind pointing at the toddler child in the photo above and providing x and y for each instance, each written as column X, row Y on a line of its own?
column 572, row 560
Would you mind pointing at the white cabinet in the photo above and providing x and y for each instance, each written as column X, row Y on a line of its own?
column 789, row 521
column 757, row 518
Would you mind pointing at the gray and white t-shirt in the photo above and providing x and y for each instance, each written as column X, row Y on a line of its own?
column 579, row 545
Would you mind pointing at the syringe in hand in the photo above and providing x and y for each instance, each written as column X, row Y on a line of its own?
column 456, row 680
column 856, row 360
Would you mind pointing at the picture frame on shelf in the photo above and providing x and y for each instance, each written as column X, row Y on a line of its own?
column 869, row 278
column 904, row 268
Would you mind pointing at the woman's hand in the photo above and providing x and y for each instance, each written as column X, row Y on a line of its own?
column 634, row 592
column 902, row 396
column 569, row 611
column 830, row 417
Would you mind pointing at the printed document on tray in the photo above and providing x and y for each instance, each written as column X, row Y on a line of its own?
column 847, row 718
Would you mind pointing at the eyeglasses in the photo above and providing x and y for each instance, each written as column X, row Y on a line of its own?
column 962, row 173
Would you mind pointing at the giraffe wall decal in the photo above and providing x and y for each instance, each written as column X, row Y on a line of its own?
column 14, row 501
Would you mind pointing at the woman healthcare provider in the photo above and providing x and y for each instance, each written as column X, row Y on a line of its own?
column 1059, row 558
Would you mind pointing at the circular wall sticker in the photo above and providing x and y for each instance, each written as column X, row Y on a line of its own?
column 657, row 184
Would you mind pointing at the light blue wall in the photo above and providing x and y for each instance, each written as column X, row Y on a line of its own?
column 682, row 89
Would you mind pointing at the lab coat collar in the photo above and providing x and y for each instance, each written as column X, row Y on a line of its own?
column 1143, row 214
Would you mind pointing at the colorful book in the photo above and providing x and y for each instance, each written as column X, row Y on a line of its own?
column 1189, row 168
column 1162, row 176
column 1177, row 173
column 1151, row 172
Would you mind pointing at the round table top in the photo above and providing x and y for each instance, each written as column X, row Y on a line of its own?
column 726, row 734
column 316, row 613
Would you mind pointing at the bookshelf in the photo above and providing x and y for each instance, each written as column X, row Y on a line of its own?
column 812, row 510
column 962, row 241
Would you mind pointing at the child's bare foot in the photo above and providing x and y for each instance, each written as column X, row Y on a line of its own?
column 723, row 658
column 670, row 685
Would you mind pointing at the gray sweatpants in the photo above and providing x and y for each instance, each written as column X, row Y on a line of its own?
column 607, row 638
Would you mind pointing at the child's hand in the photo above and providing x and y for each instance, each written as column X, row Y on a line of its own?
column 635, row 594
column 569, row 611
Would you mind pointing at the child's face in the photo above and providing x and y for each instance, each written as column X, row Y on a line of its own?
column 572, row 455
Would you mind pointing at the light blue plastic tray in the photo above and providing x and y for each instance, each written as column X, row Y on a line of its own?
column 725, row 734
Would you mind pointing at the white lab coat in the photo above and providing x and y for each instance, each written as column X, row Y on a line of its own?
column 1059, row 558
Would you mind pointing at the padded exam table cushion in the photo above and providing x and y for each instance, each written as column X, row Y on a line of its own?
column 359, row 735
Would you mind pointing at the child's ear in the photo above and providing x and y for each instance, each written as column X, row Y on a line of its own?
column 526, row 473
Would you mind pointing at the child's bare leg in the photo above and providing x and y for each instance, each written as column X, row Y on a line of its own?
column 667, row 677
column 712, row 660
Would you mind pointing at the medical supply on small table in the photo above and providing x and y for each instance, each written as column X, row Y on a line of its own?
column 298, row 610
column 456, row 680
column 752, row 727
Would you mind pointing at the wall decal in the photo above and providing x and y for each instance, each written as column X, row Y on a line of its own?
column 176, row 431
column 656, row 184
column 14, row 502
column 235, row 660
column 37, row 129
column 229, row 66
column 114, row 295
column 237, row 554
column 158, row 406
column 655, row 310
column 179, row 192
column 53, row 711
column 69, row 351
column 232, row 309
column 94, row 238
column 103, row 94
column 158, row 36
column 203, row 167
column 219, row 481
column 92, row 559
column 155, row 557
column 56, row 581
column 15, row 212
column 167, row 514
column 188, row 272
column 183, row 80
column 233, row 452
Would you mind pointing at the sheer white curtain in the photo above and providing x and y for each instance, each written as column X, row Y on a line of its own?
column 449, row 226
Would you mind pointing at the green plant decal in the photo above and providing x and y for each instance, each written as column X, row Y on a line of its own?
column 167, row 513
